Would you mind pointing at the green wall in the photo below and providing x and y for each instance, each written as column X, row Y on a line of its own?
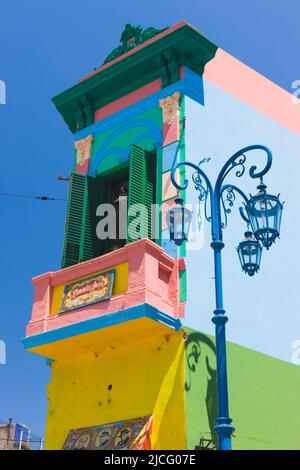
column 264, row 396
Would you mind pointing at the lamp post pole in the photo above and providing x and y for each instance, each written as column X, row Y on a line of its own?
column 222, row 197
column 223, row 427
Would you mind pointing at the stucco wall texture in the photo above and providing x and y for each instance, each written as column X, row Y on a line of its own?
column 134, row 378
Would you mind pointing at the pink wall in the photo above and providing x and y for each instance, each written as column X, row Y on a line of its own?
column 153, row 279
column 127, row 100
column 254, row 89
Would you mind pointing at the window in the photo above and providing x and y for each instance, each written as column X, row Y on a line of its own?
column 87, row 193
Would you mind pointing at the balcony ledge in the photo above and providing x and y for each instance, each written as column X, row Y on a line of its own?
column 153, row 281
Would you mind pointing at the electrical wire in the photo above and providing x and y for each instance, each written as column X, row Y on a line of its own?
column 23, row 196
column 26, row 370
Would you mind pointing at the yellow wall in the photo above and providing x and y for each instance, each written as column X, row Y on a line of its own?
column 120, row 285
column 146, row 375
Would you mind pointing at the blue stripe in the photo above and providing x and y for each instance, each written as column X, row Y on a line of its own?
column 191, row 86
column 151, row 130
column 98, row 323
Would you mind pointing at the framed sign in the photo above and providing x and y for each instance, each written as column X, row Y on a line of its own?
column 87, row 291
column 122, row 435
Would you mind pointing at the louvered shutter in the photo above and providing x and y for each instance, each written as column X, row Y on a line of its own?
column 80, row 241
column 88, row 244
column 141, row 191
column 71, row 250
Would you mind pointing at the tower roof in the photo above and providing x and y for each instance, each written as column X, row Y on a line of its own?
column 142, row 56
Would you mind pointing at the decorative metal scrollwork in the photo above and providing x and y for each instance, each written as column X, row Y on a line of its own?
column 203, row 192
column 227, row 203
column 238, row 165
column 222, row 197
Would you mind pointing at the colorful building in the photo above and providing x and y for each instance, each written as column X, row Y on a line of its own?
column 125, row 324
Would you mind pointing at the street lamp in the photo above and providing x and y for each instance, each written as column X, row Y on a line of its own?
column 249, row 251
column 262, row 212
column 179, row 220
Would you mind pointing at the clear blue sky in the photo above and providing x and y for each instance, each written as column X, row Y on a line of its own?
column 45, row 46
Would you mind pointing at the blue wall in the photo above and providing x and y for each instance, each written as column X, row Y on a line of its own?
column 264, row 311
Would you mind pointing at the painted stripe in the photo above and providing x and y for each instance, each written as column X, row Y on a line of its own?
column 98, row 323
column 171, row 132
column 127, row 100
column 193, row 82
column 168, row 155
column 169, row 191
column 257, row 91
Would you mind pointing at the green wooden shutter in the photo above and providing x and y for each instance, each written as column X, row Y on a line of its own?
column 88, row 245
column 80, row 241
column 73, row 223
column 142, row 170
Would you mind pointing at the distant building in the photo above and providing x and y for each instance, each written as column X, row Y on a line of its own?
column 14, row 436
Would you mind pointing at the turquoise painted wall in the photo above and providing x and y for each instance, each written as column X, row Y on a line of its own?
column 263, row 391
column 111, row 147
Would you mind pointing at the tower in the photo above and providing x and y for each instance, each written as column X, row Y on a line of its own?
column 125, row 323
column 109, row 321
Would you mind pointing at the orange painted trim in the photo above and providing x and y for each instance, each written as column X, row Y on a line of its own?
column 252, row 88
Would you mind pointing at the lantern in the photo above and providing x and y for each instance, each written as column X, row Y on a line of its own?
column 179, row 220
column 249, row 251
column 264, row 212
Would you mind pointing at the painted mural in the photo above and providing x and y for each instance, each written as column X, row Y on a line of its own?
column 131, row 434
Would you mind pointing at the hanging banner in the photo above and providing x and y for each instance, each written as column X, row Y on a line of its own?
column 87, row 291
column 122, row 435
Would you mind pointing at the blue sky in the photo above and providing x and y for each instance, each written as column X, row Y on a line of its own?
column 45, row 46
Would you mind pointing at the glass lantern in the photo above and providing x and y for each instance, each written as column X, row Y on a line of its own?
column 264, row 212
column 249, row 251
column 179, row 221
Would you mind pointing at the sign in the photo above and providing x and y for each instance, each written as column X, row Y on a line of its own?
column 122, row 435
column 21, row 433
column 87, row 291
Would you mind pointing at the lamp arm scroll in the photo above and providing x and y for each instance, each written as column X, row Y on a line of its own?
column 237, row 163
column 204, row 190
column 228, row 201
column 198, row 170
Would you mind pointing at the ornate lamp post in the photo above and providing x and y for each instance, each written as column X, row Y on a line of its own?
column 262, row 212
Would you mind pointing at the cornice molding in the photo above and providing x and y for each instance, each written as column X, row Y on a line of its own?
column 160, row 57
